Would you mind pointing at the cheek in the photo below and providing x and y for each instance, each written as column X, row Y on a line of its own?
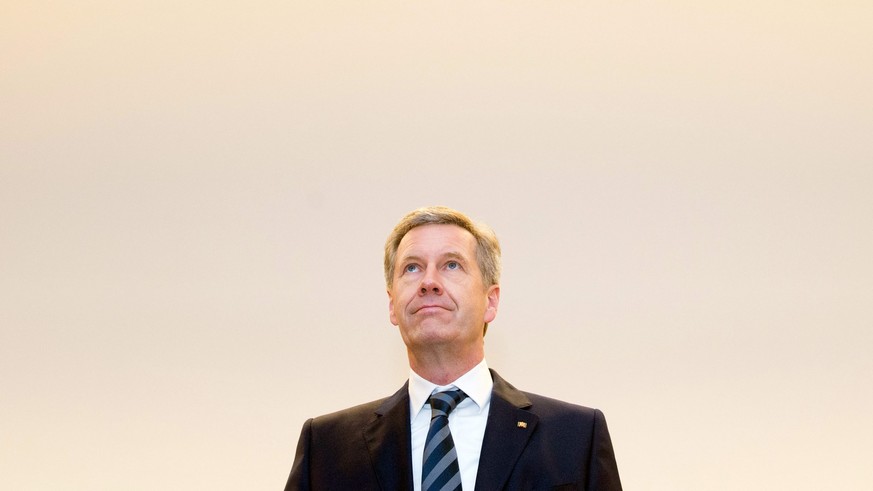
column 398, row 301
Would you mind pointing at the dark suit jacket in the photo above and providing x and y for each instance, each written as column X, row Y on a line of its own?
column 531, row 443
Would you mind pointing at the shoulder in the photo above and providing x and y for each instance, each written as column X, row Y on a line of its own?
column 566, row 425
column 550, row 408
column 365, row 413
column 355, row 415
column 540, row 405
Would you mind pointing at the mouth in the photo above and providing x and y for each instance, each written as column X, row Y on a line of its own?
column 429, row 308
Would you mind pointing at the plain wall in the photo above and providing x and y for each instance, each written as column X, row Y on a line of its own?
column 194, row 197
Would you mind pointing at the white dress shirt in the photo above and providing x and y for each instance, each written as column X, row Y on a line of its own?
column 467, row 421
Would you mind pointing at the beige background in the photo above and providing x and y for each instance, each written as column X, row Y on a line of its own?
column 194, row 197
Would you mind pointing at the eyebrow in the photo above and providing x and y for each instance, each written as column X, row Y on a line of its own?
column 448, row 255
column 454, row 255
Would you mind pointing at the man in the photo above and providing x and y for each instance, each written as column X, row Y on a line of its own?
column 455, row 424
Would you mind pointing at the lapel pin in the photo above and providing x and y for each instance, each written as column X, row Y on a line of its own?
column 522, row 424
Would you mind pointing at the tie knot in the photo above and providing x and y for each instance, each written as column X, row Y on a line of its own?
column 442, row 403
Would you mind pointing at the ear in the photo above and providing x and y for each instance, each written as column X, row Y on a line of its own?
column 492, row 296
column 391, row 316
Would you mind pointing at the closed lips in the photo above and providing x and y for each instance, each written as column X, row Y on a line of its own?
column 430, row 306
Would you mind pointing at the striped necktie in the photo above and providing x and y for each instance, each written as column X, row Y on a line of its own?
column 440, row 471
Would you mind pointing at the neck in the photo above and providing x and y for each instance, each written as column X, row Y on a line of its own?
column 442, row 367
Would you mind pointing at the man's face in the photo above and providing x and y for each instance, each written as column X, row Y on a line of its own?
column 438, row 296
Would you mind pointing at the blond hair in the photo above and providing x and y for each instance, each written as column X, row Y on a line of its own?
column 487, row 246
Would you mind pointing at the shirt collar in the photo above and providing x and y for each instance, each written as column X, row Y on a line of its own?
column 476, row 383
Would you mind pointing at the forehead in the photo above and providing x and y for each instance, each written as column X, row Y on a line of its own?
column 437, row 239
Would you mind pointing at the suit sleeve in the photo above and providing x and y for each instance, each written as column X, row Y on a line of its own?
column 299, row 478
column 602, row 469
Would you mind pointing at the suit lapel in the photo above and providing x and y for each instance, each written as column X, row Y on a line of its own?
column 509, row 427
column 387, row 439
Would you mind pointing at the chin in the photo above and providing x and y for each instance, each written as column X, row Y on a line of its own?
column 435, row 335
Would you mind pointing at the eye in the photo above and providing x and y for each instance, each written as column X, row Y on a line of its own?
column 453, row 265
column 410, row 268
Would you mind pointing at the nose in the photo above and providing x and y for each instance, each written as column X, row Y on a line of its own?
column 430, row 283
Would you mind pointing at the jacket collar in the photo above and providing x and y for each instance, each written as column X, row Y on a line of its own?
column 508, row 430
column 388, row 440
column 510, row 426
